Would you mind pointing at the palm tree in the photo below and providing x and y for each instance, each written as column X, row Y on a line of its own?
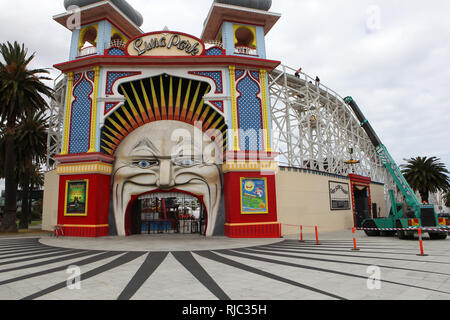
column 31, row 140
column 447, row 199
column 426, row 175
column 24, row 146
column 2, row 158
column 21, row 91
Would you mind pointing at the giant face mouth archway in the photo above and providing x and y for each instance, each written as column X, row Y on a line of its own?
column 166, row 141
column 166, row 212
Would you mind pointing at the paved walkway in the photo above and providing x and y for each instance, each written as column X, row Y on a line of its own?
column 193, row 268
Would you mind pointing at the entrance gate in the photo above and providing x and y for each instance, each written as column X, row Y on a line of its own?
column 362, row 209
column 361, row 198
column 169, row 213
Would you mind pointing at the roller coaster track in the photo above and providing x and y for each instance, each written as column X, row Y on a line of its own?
column 56, row 120
column 314, row 128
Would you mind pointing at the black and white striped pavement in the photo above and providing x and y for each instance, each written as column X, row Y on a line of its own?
column 285, row 270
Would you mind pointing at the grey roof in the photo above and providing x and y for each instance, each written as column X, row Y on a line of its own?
column 255, row 4
column 123, row 5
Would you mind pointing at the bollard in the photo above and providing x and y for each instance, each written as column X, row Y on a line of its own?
column 301, row 234
column 422, row 254
column 317, row 236
column 355, row 247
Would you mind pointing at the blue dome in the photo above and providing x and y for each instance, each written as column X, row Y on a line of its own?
column 123, row 5
column 255, row 4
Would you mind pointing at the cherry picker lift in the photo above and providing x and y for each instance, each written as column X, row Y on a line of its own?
column 407, row 217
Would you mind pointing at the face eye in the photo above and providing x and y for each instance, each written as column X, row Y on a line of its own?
column 187, row 162
column 145, row 164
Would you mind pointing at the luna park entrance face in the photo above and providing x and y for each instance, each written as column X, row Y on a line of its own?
column 168, row 213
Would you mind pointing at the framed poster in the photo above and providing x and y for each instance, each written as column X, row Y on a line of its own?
column 339, row 195
column 76, row 198
column 254, row 196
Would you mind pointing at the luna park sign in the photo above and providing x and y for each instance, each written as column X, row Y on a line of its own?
column 165, row 43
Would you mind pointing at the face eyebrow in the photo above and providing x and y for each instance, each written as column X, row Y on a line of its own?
column 148, row 144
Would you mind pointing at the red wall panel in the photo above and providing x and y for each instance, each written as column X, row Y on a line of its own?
column 232, row 194
column 98, row 200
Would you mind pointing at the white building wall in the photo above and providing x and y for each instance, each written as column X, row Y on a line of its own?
column 303, row 198
column 50, row 204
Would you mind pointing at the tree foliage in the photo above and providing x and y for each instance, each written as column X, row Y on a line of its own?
column 426, row 175
column 447, row 199
column 31, row 148
column 21, row 88
column 31, row 142
column 22, row 93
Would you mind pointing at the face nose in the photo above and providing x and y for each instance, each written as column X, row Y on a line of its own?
column 166, row 175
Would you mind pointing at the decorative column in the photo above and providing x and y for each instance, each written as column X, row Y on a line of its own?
column 65, row 146
column 84, row 173
column 92, row 143
column 235, row 129
column 265, row 110
column 250, row 165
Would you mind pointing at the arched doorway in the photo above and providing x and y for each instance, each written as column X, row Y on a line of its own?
column 167, row 213
column 362, row 206
column 361, row 198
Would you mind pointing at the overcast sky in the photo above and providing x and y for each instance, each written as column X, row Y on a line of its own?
column 392, row 56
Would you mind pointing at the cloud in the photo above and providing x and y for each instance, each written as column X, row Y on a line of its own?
column 398, row 73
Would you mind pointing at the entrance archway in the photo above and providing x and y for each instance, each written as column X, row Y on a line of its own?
column 166, row 213
column 361, row 198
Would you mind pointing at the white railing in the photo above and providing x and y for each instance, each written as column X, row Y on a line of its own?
column 115, row 44
column 245, row 51
column 238, row 50
column 211, row 43
column 87, row 51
